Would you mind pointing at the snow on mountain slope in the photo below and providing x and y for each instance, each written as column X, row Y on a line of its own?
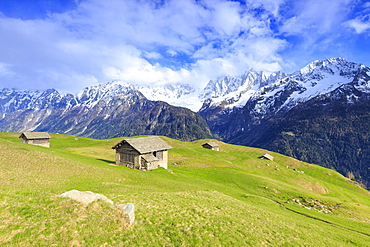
column 280, row 91
column 250, row 84
column 182, row 95
column 221, row 87
column 90, row 96
column 12, row 100
column 231, row 89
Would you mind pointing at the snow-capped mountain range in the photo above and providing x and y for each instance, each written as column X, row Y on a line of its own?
column 266, row 95
column 12, row 100
column 318, row 77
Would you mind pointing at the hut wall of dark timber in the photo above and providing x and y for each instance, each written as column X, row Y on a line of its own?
column 144, row 153
column 36, row 138
column 127, row 156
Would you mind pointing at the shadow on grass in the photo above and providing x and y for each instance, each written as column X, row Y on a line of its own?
column 107, row 161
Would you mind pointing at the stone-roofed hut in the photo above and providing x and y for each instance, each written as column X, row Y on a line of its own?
column 212, row 146
column 267, row 157
column 142, row 153
column 36, row 138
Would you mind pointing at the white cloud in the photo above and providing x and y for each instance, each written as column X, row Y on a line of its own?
column 225, row 17
column 101, row 41
column 152, row 55
column 5, row 70
column 142, row 72
column 316, row 29
column 359, row 25
column 271, row 6
column 362, row 21
column 171, row 52
column 315, row 17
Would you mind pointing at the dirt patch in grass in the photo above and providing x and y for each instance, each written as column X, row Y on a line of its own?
column 313, row 186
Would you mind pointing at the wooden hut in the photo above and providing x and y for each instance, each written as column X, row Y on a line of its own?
column 212, row 146
column 36, row 138
column 142, row 153
column 267, row 157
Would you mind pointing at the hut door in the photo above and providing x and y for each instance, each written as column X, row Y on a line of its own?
column 144, row 164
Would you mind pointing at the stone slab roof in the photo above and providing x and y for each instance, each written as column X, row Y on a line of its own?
column 212, row 144
column 145, row 144
column 267, row 156
column 150, row 157
column 35, row 135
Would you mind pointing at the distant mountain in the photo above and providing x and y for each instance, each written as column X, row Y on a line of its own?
column 319, row 114
column 102, row 111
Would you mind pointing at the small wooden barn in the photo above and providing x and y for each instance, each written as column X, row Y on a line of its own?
column 36, row 138
column 212, row 146
column 267, row 157
column 142, row 153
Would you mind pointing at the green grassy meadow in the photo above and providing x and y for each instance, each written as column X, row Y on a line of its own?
column 226, row 198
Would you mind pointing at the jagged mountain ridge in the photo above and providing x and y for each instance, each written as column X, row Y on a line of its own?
column 231, row 92
column 316, row 78
column 226, row 90
column 101, row 111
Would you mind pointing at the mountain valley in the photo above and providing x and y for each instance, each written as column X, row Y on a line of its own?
column 319, row 114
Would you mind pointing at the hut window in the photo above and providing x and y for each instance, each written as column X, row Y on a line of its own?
column 158, row 154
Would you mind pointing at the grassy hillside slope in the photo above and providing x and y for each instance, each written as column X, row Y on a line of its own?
column 226, row 198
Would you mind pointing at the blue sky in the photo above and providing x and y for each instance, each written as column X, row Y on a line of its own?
column 71, row 44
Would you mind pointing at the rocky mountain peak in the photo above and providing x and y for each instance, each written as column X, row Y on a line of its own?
column 90, row 96
column 221, row 86
column 331, row 66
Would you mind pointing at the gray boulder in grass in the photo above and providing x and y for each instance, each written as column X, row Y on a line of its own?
column 87, row 197
column 129, row 210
